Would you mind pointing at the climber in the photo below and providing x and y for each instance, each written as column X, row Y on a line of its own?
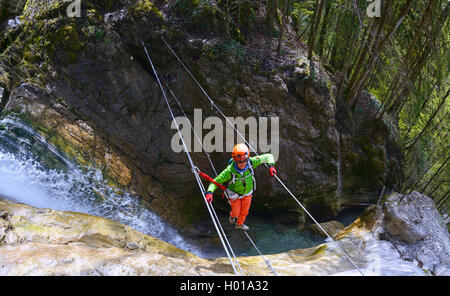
column 242, row 182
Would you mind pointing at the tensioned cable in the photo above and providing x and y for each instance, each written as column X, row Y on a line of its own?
column 232, row 125
column 265, row 260
column 220, row 226
column 223, row 232
column 195, row 133
column 212, row 165
column 190, row 160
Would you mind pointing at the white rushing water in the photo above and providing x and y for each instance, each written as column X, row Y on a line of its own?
column 381, row 259
column 68, row 187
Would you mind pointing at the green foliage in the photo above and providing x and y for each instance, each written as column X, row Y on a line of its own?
column 231, row 18
column 301, row 14
column 408, row 75
column 231, row 48
column 200, row 14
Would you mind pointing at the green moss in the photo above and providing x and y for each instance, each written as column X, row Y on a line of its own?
column 232, row 49
column 370, row 150
column 319, row 250
column 68, row 37
column 34, row 228
column 29, row 56
column 144, row 7
column 370, row 169
column 302, row 66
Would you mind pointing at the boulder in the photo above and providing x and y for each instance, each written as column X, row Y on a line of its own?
column 415, row 227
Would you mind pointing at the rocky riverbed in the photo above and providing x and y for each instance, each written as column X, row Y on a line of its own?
column 37, row 241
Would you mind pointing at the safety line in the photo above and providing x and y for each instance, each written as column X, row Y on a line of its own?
column 195, row 133
column 221, row 228
column 198, row 138
column 212, row 165
column 321, row 228
column 267, row 261
column 190, row 159
column 232, row 125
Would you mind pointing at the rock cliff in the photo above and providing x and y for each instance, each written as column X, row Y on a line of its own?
column 86, row 86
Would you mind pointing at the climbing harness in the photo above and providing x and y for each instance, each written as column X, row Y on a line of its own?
column 277, row 178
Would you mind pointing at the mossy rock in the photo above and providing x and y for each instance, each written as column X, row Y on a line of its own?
column 302, row 67
column 68, row 38
column 319, row 250
column 369, row 169
column 145, row 7
column 206, row 15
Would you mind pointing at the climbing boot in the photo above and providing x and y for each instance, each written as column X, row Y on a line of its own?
column 242, row 227
column 232, row 220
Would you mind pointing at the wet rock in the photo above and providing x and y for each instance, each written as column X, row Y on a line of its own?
column 331, row 227
column 49, row 242
column 441, row 270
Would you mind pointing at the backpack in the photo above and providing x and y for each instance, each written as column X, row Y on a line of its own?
column 250, row 167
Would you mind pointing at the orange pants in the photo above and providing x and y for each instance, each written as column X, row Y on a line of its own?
column 239, row 208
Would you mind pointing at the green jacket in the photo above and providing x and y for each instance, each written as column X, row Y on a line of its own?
column 238, row 186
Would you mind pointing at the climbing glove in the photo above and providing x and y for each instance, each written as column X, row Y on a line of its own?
column 209, row 197
column 272, row 170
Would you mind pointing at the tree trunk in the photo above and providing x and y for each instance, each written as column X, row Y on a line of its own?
column 324, row 26
column 414, row 186
column 378, row 48
column 271, row 11
column 280, row 38
column 435, row 174
column 442, row 200
column 314, row 28
column 420, row 110
column 365, row 51
column 430, row 193
column 335, row 43
column 429, row 121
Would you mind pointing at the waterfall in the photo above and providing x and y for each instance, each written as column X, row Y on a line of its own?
column 33, row 172
column 339, row 170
